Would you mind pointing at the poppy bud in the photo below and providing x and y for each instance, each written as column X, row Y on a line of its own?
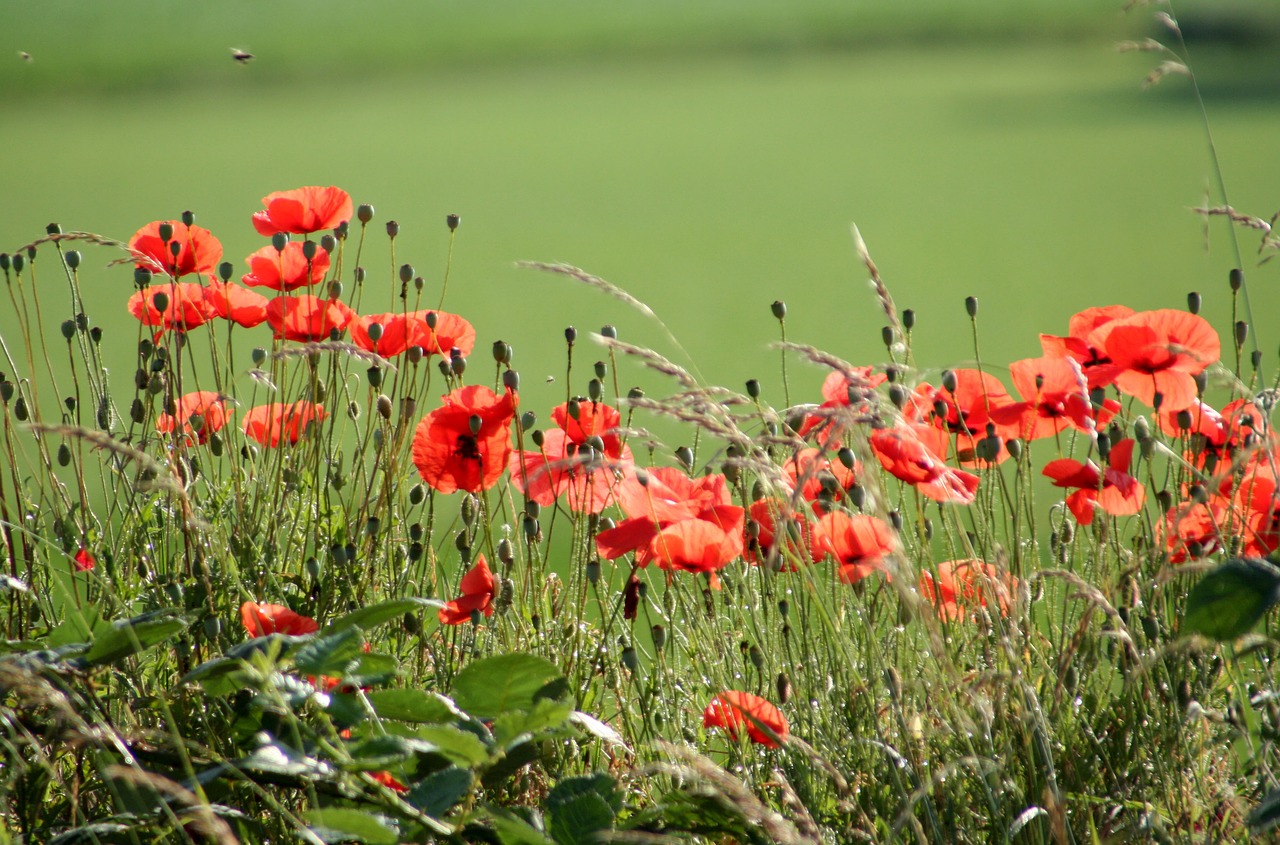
column 595, row 390
column 753, row 388
column 375, row 379
column 431, row 319
column 949, row 381
column 446, row 368
column 857, row 496
column 328, row 243
column 532, row 530
column 886, row 335
column 19, row 262
column 70, row 403
column 165, row 230
column 416, row 494
column 635, row 393
column 335, row 289
column 988, row 449
column 506, row 552
column 309, row 250
column 353, row 410
column 783, row 685
column 6, row 391
column 893, row 682
column 909, row 319
column 72, row 258
column 364, row 213
column 1014, row 448
column 279, row 240
column 372, row 525
column 511, row 380
column 393, row 228
column 340, row 231
column 406, row 273
column 452, row 221
column 528, row 420
column 358, row 275
column 1202, row 381
column 462, row 543
column 685, row 456
column 537, row 437
column 631, row 598
column 898, row 396
column 501, row 351
column 895, row 519
column 64, row 455
column 378, row 436
column 20, row 409
column 535, row 619
column 68, row 329
column 457, row 365
column 971, row 306
column 384, row 407
column 4, row 261
column 570, row 335
column 414, row 354
column 606, row 523
column 1157, row 399
column 630, row 659
column 1198, row 494
column 160, row 301
column 1193, row 302
column 1184, row 420
column 659, row 634
column 1236, row 279
column 779, row 309
column 756, row 656
column 1242, row 332
column 188, row 218
column 137, row 411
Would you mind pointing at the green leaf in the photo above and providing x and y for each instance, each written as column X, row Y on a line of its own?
column 1227, row 602
column 380, row 613
column 462, row 747
column 413, row 705
column 489, row 687
column 330, row 655
column 379, row 752
column 1266, row 815
column 544, row 715
column 579, row 820
column 513, row 830
column 80, row 626
column 336, row 824
column 600, row 783
column 438, row 792
column 128, row 637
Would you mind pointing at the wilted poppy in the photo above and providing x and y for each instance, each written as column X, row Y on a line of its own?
column 308, row 318
column 1157, row 352
column 198, row 250
column 303, row 210
column 478, row 592
column 733, row 710
column 177, row 306
column 961, row 585
column 903, row 452
column 280, row 422
column 465, row 443
column 262, row 619
column 679, row 522
column 858, row 544
column 571, row 463
column 197, row 415
column 235, row 303
column 285, row 270
column 1113, row 490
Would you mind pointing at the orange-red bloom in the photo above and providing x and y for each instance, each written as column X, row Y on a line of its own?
column 287, row 270
column 389, row 781
column 1055, row 394
column 904, row 452
column 401, row 331
column 680, row 522
column 858, row 544
column 197, row 415
column 845, row 395
column 1157, row 352
column 303, row 210
column 1193, row 530
column 465, row 443
column 779, row 536
column 733, row 710
column 478, row 593
column 262, row 619
column 1113, row 490
column 960, row 585
column 84, row 560
column 567, row 464
column 308, row 318
column 184, row 304
column 279, row 422
column 198, row 250
column 239, row 305
column 1080, row 343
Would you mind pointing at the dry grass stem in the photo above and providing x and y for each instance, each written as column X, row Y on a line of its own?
column 591, row 281
column 302, row 350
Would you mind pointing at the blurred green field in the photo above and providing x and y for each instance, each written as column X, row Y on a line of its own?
column 707, row 157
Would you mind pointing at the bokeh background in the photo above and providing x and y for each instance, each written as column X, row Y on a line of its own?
column 707, row 156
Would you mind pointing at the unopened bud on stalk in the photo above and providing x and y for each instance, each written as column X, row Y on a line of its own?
column 452, row 221
column 895, row 519
column 358, row 274
column 1236, row 279
column 383, row 404
column 528, row 420
column 68, row 329
column 971, row 306
column 417, row 493
column 279, row 240
column 375, row 377
column 328, row 243
column 1242, row 332
column 20, row 409
column 165, row 230
column 609, row 331
column 1014, row 448
column 753, row 388
column 1202, row 381
column 364, row 213
column 160, row 301
column 19, row 261
column 340, row 231
column 335, row 289
column 595, row 390
column 756, row 656
column 532, row 530
column 188, row 218
column 908, row 319
column 635, row 393
column 501, row 351
column 1193, row 302
column 393, row 228
column 570, row 335
column 431, row 320
column 1256, row 359
column 72, row 258
column 630, row 659
column 886, row 336
column 537, row 437
column 6, row 391
column 685, row 456
column 4, row 261
column 406, row 273
column 309, row 250
column 511, row 380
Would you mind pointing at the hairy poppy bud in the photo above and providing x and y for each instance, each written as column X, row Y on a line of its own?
column 452, row 221
column 384, row 407
column 537, row 437
column 160, row 301
column 1014, row 448
column 358, row 274
column 659, row 635
column 20, row 409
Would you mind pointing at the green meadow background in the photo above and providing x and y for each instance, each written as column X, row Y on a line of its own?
column 709, row 157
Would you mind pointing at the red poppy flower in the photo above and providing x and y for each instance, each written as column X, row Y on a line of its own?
column 262, row 619
column 303, row 210
column 84, row 560
column 1245, row 423
column 965, row 411
column 279, row 422
column 904, row 452
column 1192, row 530
column 1257, row 501
column 682, row 523
column 308, row 318
column 858, row 544
column 287, row 270
column 777, row 533
column 388, row 780
column 1080, row 343
column 732, row 710
column 400, row 331
column 184, row 308
column 465, row 443
column 1055, row 395
column 566, row 465
column 239, row 305
column 845, row 396
column 961, row 585
column 809, row 471
column 478, row 593
column 206, row 407
column 1113, row 490
column 198, row 250
column 1157, row 352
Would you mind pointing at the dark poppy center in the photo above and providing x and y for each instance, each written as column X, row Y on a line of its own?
column 467, row 447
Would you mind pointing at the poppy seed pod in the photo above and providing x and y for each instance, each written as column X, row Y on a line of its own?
column 188, row 218
column 164, row 230
column 1242, row 332
column 886, row 336
column 685, row 456
column 279, row 240
column 630, row 660
column 432, row 320
column 417, row 493
column 6, row 391
column 779, row 309
column 595, row 390
column 452, row 221
column 340, row 231
column 1256, row 358
column 571, row 335
column 4, row 261
column 309, row 250
column 532, row 530
column 375, row 332
column 20, row 409
column 511, row 380
column 68, row 329
column 971, row 306
column 528, row 420
column 364, row 213
column 406, row 273
column 1202, row 381
column 609, row 331
column 1236, row 279
column 537, row 437
column 335, row 289
column 137, row 411
column 635, row 393
column 358, row 275
column 328, row 243
column 1193, row 302
column 72, row 258
column 19, row 262
column 462, row 543
column 393, row 228
column 446, row 369
column 909, row 319
column 659, row 634
column 753, row 388
column 375, row 377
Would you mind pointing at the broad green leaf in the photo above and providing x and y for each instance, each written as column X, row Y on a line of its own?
column 380, row 613
column 489, row 687
column 337, row 824
column 1266, row 815
column 600, row 783
column 379, row 752
column 330, row 655
column 462, row 747
column 80, row 626
column 128, row 637
column 438, row 792
column 543, row 716
column 513, row 830
column 1227, row 602
column 579, row 820
column 413, row 705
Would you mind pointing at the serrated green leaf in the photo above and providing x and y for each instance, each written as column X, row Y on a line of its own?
column 492, row 686
column 438, row 792
column 513, row 830
column 543, row 716
column 379, row 752
column 462, row 747
column 380, row 613
column 338, row 824
column 578, row 820
column 1228, row 601
column 330, row 655
column 599, row 783
column 413, row 705
column 129, row 637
